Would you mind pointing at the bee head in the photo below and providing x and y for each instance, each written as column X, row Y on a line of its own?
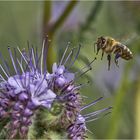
column 100, row 43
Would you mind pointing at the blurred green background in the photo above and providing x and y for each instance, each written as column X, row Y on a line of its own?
column 83, row 22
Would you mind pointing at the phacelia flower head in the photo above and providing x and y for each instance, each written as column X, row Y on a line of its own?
column 32, row 87
column 24, row 92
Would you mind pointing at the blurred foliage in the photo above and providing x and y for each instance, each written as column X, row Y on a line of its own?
column 82, row 22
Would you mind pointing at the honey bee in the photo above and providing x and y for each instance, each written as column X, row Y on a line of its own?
column 109, row 45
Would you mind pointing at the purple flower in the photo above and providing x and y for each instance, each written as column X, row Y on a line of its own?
column 73, row 120
column 77, row 130
column 24, row 92
column 33, row 87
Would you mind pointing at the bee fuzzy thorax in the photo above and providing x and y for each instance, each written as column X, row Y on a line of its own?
column 110, row 46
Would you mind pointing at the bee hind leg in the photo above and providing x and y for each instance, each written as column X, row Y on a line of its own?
column 109, row 61
column 116, row 59
column 116, row 62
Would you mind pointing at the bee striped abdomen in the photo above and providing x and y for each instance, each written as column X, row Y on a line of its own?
column 126, row 53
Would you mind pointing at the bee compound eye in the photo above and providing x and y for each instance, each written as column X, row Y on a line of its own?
column 103, row 41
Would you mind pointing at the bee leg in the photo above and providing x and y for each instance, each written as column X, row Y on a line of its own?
column 102, row 55
column 116, row 62
column 98, row 49
column 109, row 60
column 116, row 59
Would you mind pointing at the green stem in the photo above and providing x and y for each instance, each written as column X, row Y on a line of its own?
column 46, row 16
column 118, row 105
column 51, row 55
column 63, row 17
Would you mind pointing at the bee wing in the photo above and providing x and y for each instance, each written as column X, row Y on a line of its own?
column 127, row 39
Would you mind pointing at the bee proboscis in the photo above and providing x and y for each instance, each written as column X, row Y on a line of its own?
column 110, row 46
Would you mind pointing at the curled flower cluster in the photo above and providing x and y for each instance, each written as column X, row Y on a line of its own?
column 33, row 87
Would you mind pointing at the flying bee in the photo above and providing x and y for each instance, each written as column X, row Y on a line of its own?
column 109, row 45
